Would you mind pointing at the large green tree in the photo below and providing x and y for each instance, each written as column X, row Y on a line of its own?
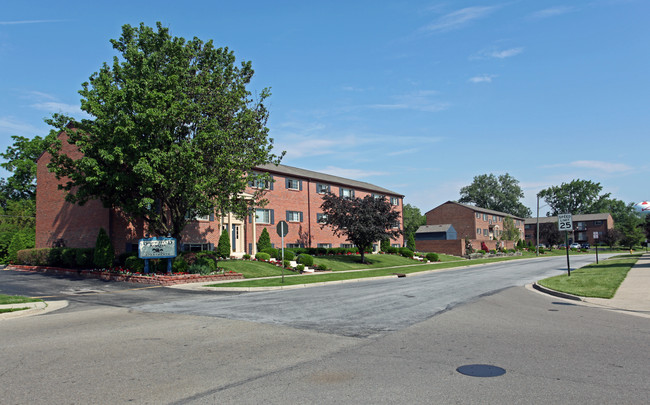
column 510, row 231
column 500, row 193
column 20, row 161
column 576, row 197
column 413, row 219
column 174, row 132
column 363, row 221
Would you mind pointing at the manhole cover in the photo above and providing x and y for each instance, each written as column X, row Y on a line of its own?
column 481, row 370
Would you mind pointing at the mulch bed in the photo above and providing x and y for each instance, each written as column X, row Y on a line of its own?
column 154, row 279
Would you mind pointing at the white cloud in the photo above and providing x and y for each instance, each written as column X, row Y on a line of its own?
column 10, row 127
column 458, row 19
column 403, row 152
column 492, row 53
column 55, row 107
column 419, row 101
column 607, row 167
column 481, row 79
column 29, row 22
column 553, row 11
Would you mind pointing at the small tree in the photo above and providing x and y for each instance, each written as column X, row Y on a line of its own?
column 631, row 231
column 363, row 221
column 611, row 237
column 223, row 248
column 17, row 243
column 384, row 245
column 410, row 242
column 264, row 242
column 104, row 252
column 510, row 232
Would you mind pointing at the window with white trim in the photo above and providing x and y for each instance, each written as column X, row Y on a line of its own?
column 478, row 231
column 394, row 201
column 263, row 216
column 321, row 218
column 294, row 216
column 322, row 188
column 346, row 192
column 293, row 184
column 347, row 245
column 324, row 245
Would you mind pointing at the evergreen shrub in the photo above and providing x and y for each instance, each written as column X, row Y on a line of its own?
column 432, row 257
column 307, row 260
column 104, row 254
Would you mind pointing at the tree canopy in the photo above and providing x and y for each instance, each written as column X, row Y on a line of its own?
column 496, row 193
column 413, row 219
column 20, row 160
column 363, row 221
column 576, row 197
column 174, row 132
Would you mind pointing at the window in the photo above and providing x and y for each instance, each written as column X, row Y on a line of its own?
column 263, row 216
column 346, row 192
column 485, row 217
column 293, row 245
column 395, row 245
column 598, row 223
column 196, row 247
column 377, row 196
column 293, row 184
column 294, row 216
column 396, row 224
column 494, row 218
column 347, row 245
column 324, row 245
column 527, row 226
column 581, row 226
column 485, row 232
column 394, row 201
column 209, row 217
column 322, row 188
column 262, row 184
column 478, row 231
column 321, row 218
column 478, row 215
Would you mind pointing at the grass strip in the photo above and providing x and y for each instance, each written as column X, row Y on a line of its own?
column 5, row 310
column 595, row 280
column 349, row 275
column 16, row 299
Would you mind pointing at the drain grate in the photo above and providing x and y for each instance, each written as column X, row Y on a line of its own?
column 481, row 370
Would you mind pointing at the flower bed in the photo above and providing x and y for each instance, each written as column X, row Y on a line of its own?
column 151, row 279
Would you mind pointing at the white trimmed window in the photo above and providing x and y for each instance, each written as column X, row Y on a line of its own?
column 321, row 218
column 294, row 216
column 346, row 192
column 322, row 188
column 394, row 201
column 263, row 216
column 324, row 245
column 293, row 184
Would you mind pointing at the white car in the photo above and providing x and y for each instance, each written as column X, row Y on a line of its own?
column 575, row 246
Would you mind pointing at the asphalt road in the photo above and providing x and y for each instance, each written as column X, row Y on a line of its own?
column 108, row 347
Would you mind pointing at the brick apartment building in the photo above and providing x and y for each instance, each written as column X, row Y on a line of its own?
column 295, row 195
column 479, row 225
column 584, row 227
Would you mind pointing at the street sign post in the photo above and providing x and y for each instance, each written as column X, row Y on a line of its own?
column 283, row 230
column 596, row 243
column 565, row 223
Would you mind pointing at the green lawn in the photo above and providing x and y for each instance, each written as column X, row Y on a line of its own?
column 253, row 269
column 5, row 310
column 371, row 272
column 16, row 299
column 595, row 280
column 353, row 262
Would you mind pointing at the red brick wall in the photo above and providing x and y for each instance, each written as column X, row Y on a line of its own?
column 449, row 247
column 461, row 218
column 56, row 220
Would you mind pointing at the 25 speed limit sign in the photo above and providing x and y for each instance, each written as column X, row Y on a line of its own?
column 565, row 222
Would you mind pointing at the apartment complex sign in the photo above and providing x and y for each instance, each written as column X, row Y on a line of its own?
column 157, row 248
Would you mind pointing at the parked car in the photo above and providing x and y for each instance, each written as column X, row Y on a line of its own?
column 574, row 246
column 585, row 246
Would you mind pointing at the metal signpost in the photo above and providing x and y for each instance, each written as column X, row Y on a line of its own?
column 596, row 243
column 157, row 248
column 565, row 223
column 283, row 230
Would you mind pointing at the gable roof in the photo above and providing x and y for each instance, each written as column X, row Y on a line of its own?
column 603, row 216
column 326, row 178
column 481, row 210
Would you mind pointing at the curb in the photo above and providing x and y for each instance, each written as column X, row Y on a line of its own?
column 556, row 293
column 35, row 308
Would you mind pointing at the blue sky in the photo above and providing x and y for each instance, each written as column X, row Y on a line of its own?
column 414, row 96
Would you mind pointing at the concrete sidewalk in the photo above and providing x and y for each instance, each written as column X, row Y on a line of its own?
column 634, row 292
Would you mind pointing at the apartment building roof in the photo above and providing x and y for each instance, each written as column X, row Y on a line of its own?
column 326, row 178
column 483, row 210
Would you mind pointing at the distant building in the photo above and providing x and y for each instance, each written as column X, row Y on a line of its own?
column 585, row 227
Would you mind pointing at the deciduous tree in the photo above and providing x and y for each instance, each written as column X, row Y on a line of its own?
column 174, row 132
column 576, row 197
column 363, row 221
column 496, row 193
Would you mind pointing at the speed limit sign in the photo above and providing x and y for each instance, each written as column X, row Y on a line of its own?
column 565, row 222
